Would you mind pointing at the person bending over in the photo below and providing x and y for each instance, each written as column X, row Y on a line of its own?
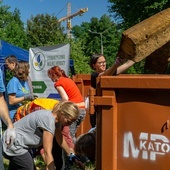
column 38, row 130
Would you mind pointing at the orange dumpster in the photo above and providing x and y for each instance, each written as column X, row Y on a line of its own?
column 133, row 122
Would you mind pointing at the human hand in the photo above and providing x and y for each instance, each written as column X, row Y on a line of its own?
column 73, row 159
column 119, row 61
column 30, row 96
column 10, row 136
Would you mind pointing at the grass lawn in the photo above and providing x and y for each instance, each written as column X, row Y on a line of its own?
column 41, row 166
column 6, row 164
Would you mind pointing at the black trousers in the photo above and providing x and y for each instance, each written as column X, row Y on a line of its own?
column 57, row 155
column 22, row 162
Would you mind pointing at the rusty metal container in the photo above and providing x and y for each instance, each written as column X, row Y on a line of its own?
column 133, row 129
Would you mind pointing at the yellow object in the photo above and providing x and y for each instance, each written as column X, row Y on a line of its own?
column 68, row 25
column 36, row 104
column 46, row 103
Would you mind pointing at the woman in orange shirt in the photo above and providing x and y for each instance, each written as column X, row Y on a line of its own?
column 68, row 90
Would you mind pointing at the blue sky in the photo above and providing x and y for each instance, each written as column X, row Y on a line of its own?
column 58, row 8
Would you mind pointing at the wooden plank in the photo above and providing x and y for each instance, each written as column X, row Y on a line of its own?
column 157, row 62
column 144, row 38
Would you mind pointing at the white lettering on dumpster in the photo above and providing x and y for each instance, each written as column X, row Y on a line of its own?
column 150, row 145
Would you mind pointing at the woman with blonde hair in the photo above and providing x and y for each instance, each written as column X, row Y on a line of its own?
column 38, row 130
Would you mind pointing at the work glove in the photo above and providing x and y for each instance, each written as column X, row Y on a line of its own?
column 10, row 136
column 72, row 158
column 30, row 96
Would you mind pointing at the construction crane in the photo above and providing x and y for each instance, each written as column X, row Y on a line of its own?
column 70, row 16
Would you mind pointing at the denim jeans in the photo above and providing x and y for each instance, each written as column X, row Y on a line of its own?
column 74, row 126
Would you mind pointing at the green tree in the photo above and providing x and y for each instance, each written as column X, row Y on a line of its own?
column 97, row 33
column 15, row 32
column 44, row 29
column 11, row 26
column 4, row 17
column 81, row 62
column 132, row 12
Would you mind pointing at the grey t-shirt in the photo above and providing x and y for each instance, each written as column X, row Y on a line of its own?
column 29, row 132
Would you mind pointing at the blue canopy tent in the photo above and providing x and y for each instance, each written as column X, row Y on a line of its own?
column 7, row 49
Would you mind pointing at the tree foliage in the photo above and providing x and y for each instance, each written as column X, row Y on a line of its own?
column 131, row 12
column 44, row 29
column 81, row 62
column 90, row 35
column 11, row 27
column 98, row 33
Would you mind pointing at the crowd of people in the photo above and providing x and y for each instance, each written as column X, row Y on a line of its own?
column 50, row 130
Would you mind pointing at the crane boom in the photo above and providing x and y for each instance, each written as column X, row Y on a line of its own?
column 81, row 11
column 70, row 16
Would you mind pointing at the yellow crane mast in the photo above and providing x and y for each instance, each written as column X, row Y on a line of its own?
column 70, row 16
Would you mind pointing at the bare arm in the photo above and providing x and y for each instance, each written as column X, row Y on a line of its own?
column 47, row 145
column 62, row 93
column 15, row 100
column 4, row 114
column 61, row 141
column 110, row 70
column 125, row 66
column 120, row 69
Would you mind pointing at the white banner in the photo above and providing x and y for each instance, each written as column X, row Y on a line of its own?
column 43, row 58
